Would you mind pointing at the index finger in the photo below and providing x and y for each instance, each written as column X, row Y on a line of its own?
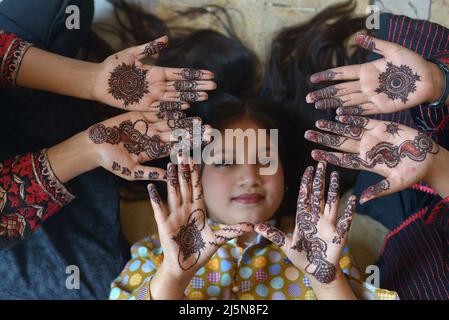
column 187, row 74
column 341, row 73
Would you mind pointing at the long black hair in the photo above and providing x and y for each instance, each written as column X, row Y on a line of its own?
column 297, row 52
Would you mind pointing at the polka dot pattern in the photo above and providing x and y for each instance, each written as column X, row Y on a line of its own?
column 260, row 271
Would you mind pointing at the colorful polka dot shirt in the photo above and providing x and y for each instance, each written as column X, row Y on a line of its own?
column 260, row 271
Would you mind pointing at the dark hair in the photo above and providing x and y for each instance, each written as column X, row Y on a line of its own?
column 224, row 109
column 301, row 50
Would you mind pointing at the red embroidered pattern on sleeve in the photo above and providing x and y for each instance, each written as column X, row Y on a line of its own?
column 29, row 194
column 12, row 50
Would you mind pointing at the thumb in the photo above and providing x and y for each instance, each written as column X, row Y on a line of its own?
column 232, row 231
column 150, row 49
column 375, row 45
column 273, row 234
column 380, row 189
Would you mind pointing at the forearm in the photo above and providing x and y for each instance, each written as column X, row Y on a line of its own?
column 50, row 72
column 72, row 157
column 165, row 286
column 339, row 289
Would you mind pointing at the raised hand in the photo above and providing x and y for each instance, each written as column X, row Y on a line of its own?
column 318, row 239
column 123, row 81
column 186, row 238
column 402, row 155
column 126, row 141
column 401, row 79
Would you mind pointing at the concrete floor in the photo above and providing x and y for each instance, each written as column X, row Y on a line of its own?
column 258, row 21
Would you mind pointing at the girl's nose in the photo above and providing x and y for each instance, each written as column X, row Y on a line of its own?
column 248, row 175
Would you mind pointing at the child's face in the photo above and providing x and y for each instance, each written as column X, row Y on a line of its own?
column 236, row 193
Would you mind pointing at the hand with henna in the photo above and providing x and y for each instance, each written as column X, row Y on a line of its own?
column 319, row 236
column 123, row 81
column 123, row 143
column 404, row 156
column 186, row 238
column 401, row 79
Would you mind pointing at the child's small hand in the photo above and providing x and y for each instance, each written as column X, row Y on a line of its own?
column 318, row 240
column 186, row 238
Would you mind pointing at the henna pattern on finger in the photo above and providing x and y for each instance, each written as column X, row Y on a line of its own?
column 181, row 85
column 397, row 82
column 172, row 176
column 116, row 166
column 392, row 128
column 126, row 171
column 128, row 83
column 354, row 110
column 325, row 139
column 166, row 107
column 334, row 189
column 366, row 42
column 138, row 174
column 346, row 130
column 154, row 195
column 326, row 104
column 191, row 74
column 154, row 47
column 275, row 235
column 355, row 121
column 324, row 93
column 185, row 172
column 190, row 240
column 188, row 96
column 198, row 184
column 153, row 175
column 345, row 221
column 373, row 191
column 317, row 193
column 306, row 183
column 322, row 76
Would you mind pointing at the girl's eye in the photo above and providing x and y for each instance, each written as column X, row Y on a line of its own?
column 222, row 165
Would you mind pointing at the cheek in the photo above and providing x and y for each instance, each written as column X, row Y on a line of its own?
column 215, row 187
column 275, row 187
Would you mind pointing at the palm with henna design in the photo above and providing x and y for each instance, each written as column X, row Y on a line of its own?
column 404, row 156
column 318, row 239
column 124, row 142
column 186, row 238
column 123, row 81
column 401, row 79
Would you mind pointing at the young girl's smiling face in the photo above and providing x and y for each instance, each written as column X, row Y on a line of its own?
column 236, row 193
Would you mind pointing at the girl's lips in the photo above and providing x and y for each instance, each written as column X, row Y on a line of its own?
column 248, row 198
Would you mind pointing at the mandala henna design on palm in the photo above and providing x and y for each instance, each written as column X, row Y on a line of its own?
column 190, row 240
column 154, row 47
column 128, row 83
column 392, row 128
column 344, row 223
column 398, row 82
